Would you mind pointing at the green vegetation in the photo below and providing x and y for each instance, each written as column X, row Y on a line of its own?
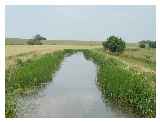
column 27, row 77
column 36, row 40
column 152, row 44
column 114, row 44
column 131, row 90
column 147, row 43
column 142, row 45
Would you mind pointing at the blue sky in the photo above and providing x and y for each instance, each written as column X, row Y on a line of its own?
column 132, row 23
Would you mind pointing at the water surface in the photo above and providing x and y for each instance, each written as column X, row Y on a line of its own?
column 72, row 93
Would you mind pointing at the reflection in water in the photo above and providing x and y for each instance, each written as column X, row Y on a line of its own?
column 72, row 93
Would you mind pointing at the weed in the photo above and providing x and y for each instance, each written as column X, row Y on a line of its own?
column 126, row 88
column 27, row 78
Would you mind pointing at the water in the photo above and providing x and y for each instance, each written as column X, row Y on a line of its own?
column 72, row 93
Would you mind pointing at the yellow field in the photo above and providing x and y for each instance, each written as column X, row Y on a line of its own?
column 24, row 52
column 15, row 50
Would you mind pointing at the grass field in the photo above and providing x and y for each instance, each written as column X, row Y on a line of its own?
column 15, row 50
column 144, row 57
column 127, row 80
column 24, row 52
column 18, row 41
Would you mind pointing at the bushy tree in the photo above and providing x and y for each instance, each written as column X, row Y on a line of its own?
column 152, row 44
column 114, row 44
column 142, row 45
column 36, row 40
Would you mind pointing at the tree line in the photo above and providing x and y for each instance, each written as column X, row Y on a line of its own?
column 147, row 43
column 117, row 45
column 113, row 44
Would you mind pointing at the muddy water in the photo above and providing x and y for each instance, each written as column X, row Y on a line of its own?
column 71, row 93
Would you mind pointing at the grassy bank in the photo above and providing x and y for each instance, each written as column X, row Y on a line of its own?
column 26, row 77
column 145, row 57
column 131, row 90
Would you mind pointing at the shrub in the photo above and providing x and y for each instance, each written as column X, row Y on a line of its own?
column 36, row 40
column 152, row 44
column 148, row 43
column 114, row 44
column 142, row 45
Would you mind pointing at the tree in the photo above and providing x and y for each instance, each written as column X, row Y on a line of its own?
column 152, row 44
column 114, row 44
column 142, row 45
column 147, row 43
column 36, row 40
column 39, row 37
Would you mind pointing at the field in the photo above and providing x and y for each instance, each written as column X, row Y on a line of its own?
column 24, row 52
column 18, row 41
column 127, row 80
column 143, row 57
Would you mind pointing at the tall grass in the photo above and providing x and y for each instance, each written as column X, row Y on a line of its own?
column 144, row 57
column 28, row 76
column 130, row 90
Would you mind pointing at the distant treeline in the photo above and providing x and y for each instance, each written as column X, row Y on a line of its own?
column 147, row 43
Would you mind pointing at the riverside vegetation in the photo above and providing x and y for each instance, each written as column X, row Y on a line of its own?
column 27, row 76
column 129, row 89
column 125, row 81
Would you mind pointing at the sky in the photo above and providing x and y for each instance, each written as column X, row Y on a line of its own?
column 131, row 23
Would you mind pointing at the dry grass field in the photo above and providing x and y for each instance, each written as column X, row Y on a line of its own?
column 24, row 52
column 15, row 50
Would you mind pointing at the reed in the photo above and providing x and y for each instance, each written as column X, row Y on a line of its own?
column 130, row 90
